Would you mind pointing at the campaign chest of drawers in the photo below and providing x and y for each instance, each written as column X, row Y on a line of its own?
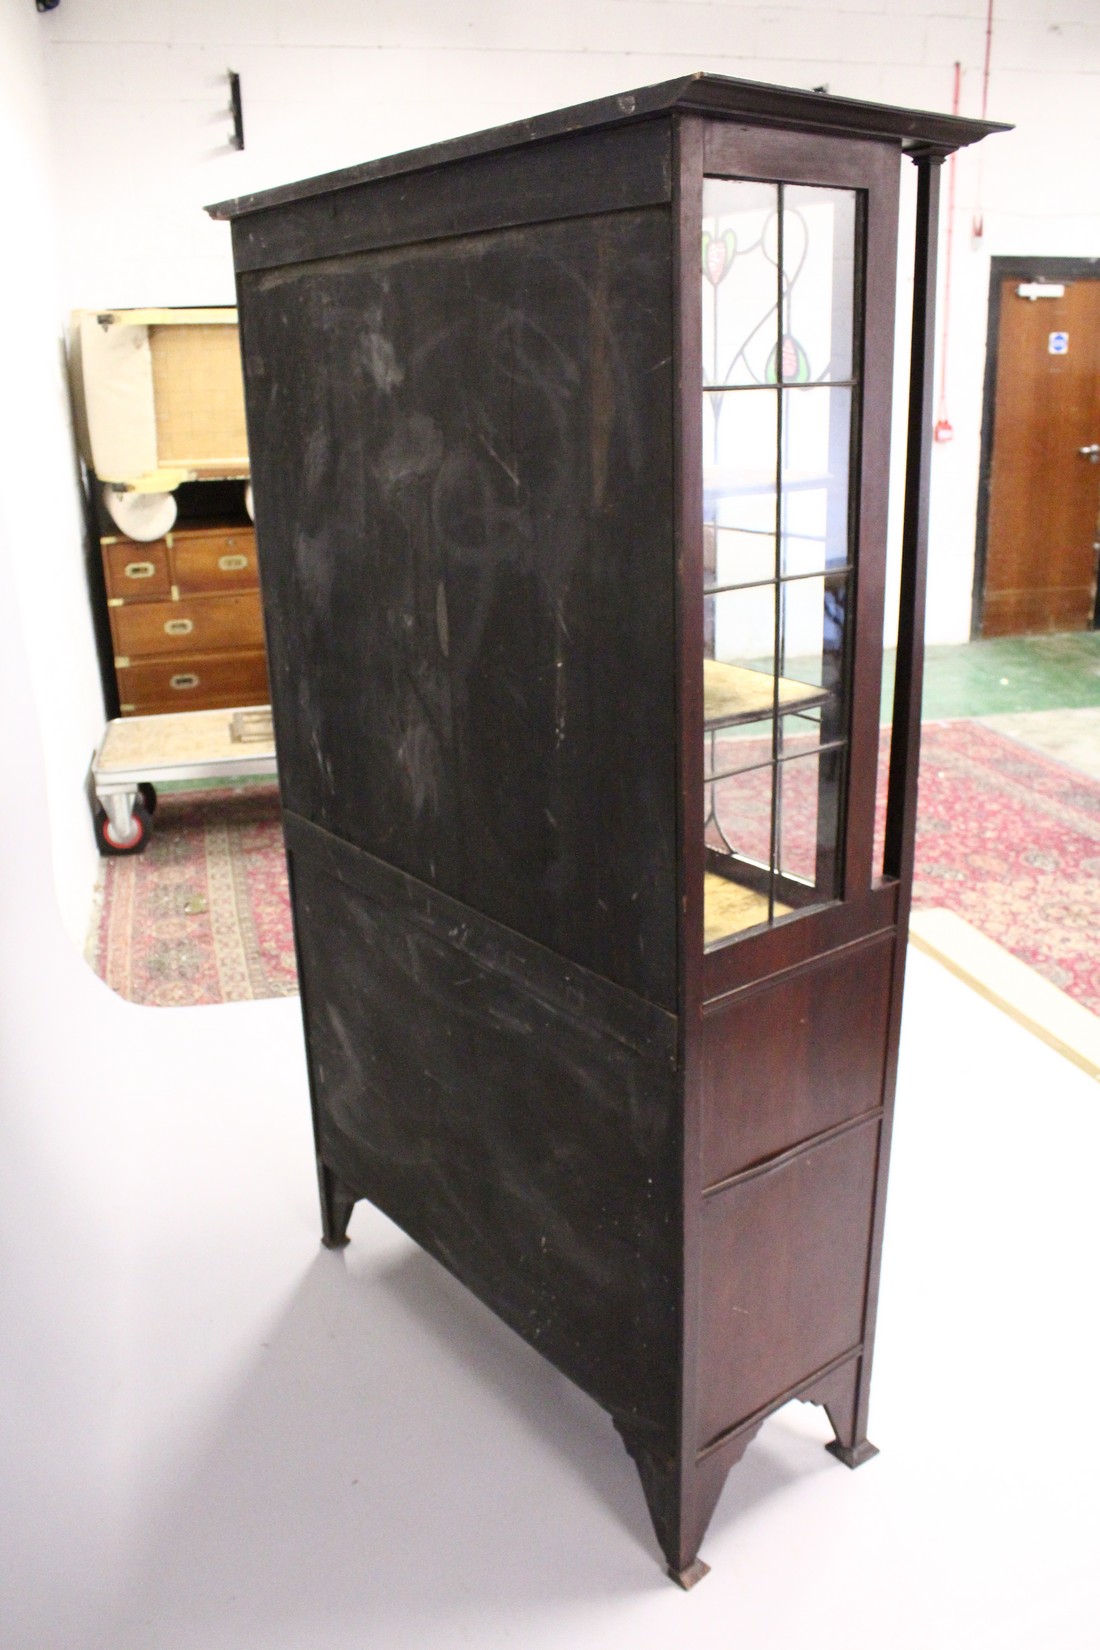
column 186, row 620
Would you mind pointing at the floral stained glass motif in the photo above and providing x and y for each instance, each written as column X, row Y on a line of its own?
column 778, row 283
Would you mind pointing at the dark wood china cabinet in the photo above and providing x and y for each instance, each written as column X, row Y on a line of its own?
column 570, row 450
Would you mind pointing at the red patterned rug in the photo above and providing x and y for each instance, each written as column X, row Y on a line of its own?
column 1009, row 839
column 203, row 915
column 1006, row 838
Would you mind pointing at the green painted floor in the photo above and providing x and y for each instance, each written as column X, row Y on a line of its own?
column 1008, row 675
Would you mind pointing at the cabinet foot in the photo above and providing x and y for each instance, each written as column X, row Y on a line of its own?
column 843, row 1397
column 688, row 1577
column 854, row 1456
column 681, row 1502
column 337, row 1202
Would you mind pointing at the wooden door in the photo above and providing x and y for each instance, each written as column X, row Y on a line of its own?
column 1044, row 493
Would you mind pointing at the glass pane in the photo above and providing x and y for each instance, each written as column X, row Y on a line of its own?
column 808, row 792
column 739, row 818
column 731, row 907
column 797, row 822
column 799, row 735
column 738, row 838
column 812, row 615
column 740, row 630
column 819, row 231
column 729, row 750
column 739, row 555
column 814, row 525
column 740, row 275
column 740, row 460
column 776, row 428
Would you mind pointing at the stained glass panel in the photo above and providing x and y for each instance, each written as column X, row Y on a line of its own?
column 740, row 272
column 778, row 272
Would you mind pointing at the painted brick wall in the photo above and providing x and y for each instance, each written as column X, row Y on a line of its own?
column 137, row 95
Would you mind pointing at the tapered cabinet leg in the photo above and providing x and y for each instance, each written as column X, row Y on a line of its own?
column 843, row 1399
column 337, row 1202
column 681, row 1498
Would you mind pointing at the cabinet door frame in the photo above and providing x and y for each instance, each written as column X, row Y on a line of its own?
column 726, row 149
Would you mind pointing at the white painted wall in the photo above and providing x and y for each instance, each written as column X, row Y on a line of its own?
column 133, row 95
column 41, row 526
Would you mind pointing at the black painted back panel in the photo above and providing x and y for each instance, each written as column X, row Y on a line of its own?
column 462, row 455
column 509, row 1113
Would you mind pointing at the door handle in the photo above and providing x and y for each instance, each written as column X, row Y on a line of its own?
column 1091, row 453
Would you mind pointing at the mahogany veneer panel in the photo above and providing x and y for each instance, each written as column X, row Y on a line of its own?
column 763, row 1094
column 780, row 1272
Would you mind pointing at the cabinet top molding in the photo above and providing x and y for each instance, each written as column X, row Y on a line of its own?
column 718, row 96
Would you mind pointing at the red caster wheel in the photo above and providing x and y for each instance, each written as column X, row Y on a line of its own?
column 137, row 840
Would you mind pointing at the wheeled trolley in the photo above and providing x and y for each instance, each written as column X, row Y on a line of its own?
column 137, row 753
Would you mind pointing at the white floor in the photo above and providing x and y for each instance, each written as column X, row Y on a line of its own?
column 1072, row 736
column 216, row 1436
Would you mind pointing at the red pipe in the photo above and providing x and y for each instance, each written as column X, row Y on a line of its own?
column 977, row 226
column 943, row 430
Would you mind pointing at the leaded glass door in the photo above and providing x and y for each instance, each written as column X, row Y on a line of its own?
column 781, row 398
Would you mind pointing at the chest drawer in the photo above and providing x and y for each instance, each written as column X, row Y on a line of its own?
column 208, row 562
column 136, row 572
column 202, row 681
column 204, row 624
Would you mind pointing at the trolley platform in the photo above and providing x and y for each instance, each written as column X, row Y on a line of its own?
column 137, row 753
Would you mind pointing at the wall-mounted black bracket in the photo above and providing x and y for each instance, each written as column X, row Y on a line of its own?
column 236, row 110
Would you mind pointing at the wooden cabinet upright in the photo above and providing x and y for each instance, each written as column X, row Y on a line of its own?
column 570, row 453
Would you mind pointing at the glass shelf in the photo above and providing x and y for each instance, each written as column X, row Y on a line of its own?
column 733, row 694
column 729, row 908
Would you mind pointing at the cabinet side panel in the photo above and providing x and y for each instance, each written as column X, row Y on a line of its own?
column 502, row 1112
column 462, row 459
column 784, row 1270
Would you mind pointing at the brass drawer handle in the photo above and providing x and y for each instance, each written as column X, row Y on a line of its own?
column 185, row 679
column 232, row 564
column 139, row 569
column 179, row 627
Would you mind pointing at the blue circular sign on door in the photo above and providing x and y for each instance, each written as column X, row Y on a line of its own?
column 1059, row 343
